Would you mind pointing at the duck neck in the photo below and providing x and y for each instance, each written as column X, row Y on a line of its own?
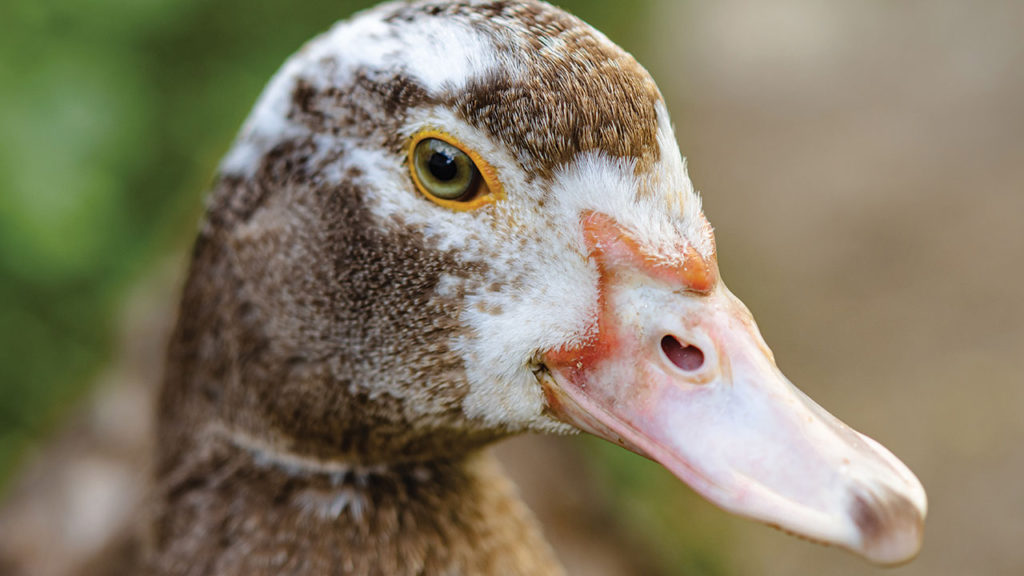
column 238, row 506
column 269, row 463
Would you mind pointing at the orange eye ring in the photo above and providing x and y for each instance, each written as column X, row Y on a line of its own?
column 481, row 190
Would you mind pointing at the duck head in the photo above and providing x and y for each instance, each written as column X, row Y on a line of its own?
column 452, row 221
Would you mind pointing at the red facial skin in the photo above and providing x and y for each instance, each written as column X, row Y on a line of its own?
column 609, row 244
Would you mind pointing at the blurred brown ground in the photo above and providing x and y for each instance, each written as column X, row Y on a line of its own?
column 863, row 164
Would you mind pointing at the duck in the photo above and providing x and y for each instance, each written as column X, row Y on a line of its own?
column 446, row 223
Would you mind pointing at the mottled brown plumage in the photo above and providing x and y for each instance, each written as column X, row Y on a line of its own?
column 274, row 455
column 582, row 93
column 231, row 512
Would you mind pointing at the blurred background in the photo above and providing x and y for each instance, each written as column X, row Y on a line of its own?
column 862, row 162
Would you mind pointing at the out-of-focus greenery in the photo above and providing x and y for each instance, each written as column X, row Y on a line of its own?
column 114, row 114
column 686, row 531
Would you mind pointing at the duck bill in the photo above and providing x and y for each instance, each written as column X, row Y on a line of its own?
column 682, row 376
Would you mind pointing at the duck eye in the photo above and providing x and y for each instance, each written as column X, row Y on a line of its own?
column 444, row 171
column 451, row 174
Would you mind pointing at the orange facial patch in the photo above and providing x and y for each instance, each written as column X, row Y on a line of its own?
column 612, row 245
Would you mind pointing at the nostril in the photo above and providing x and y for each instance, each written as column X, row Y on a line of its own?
column 688, row 357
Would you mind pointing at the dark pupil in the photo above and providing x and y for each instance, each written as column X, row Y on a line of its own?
column 442, row 166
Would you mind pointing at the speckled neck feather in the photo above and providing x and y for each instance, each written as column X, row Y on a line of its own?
column 231, row 511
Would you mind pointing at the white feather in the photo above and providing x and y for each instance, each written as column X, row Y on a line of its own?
column 439, row 53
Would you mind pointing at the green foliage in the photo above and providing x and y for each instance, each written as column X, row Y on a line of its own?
column 114, row 115
column 687, row 532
